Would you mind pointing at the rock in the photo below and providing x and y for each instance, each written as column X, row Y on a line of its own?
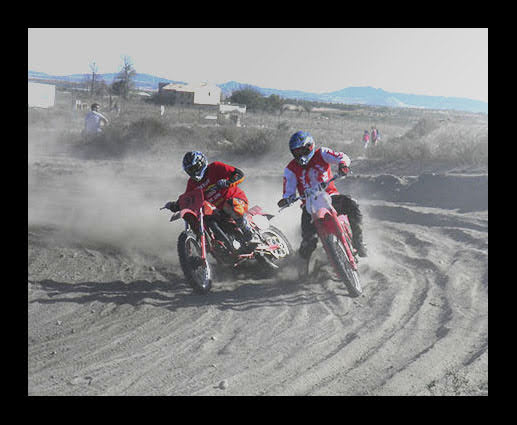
column 223, row 384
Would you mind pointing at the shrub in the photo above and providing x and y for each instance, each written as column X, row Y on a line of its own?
column 257, row 142
column 144, row 132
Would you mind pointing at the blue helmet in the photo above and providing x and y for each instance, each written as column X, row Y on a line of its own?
column 195, row 165
column 301, row 145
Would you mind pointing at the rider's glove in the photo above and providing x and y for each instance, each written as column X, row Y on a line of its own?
column 286, row 201
column 343, row 170
column 172, row 205
column 223, row 183
column 283, row 202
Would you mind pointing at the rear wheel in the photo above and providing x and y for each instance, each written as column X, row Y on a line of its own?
column 196, row 270
column 342, row 265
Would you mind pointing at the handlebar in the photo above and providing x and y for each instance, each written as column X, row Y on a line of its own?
column 319, row 186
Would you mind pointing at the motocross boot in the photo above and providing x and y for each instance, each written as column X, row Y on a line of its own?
column 249, row 235
column 357, row 240
column 307, row 246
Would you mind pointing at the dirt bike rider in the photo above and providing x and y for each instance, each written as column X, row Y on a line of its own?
column 309, row 167
column 222, row 181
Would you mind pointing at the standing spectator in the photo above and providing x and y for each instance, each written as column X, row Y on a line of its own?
column 374, row 136
column 366, row 138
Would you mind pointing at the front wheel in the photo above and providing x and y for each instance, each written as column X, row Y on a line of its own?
column 342, row 265
column 196, row 270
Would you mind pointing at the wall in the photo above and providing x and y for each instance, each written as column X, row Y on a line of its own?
column 207, row 95
column 41, row 95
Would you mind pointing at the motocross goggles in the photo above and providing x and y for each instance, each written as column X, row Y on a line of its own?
column 302, row 151
column 196, row 170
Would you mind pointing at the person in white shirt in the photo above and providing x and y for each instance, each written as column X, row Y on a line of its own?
column 94, row 121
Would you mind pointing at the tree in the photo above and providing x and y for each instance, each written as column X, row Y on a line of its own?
column 124, row 83
column 274, row 103
column 248, row 96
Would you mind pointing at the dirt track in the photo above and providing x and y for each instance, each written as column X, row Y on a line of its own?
column 109, row 312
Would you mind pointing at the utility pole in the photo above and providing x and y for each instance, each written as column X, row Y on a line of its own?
column 94, row 69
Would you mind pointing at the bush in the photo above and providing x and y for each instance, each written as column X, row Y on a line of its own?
column 247, row 140
column 145, row 131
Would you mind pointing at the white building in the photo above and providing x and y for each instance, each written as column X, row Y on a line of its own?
column 188, row 94
column 41, row 95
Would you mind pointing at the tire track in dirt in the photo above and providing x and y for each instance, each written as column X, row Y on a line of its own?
column 428, row 287
column 105, row 320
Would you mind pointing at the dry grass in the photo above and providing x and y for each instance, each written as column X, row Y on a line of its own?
column 411, row 134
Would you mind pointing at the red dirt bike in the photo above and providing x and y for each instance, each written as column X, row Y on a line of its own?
column 334, row 232
column 208, row 230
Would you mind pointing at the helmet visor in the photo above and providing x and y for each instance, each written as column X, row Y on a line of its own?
column 301, row 151
column 195, row 169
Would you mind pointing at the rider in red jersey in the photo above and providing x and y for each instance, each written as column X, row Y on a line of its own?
column 311, row 166
column 222, row 182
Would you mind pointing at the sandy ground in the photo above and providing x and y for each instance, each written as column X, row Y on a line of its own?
column 109, row 312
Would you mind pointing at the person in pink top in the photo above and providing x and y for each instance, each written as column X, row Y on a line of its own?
column 366, row 138
column 374, row 136
column 309, row 167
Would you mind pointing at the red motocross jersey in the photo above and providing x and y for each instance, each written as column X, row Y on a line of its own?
column 316, row 171
column 214, row 172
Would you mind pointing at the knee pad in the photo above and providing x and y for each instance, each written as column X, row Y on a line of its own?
column 235, row 207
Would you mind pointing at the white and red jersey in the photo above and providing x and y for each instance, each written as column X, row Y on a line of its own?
column 316, row 171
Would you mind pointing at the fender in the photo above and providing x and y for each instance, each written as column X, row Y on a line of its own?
column 186, row 211
column 256, row 210
column 327, row 222
column 182, row 213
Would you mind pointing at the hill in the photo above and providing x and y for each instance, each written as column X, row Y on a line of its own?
column 370, row 96
column 367, row 95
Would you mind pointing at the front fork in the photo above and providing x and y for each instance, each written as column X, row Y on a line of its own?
column 194, row 226
column 202, row 237
column 330, row 224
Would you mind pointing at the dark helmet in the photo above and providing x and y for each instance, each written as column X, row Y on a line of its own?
column 195, row 164
column 95, row 107
column 301, row 145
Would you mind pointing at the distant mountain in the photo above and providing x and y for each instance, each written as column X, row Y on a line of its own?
column 368, row 96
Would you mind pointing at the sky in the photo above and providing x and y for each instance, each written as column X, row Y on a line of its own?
column 450, row 62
